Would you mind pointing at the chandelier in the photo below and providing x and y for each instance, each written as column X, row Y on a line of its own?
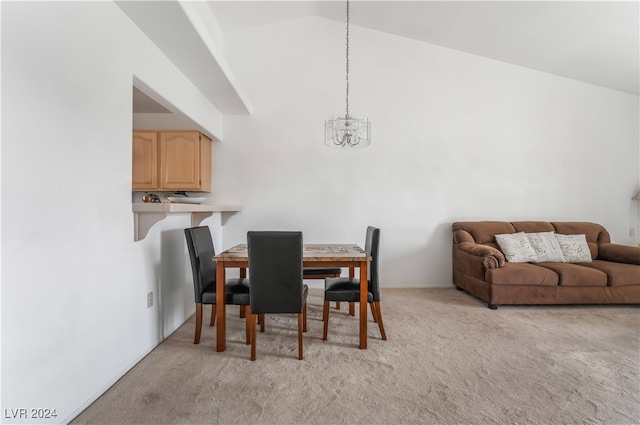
column 347, row 131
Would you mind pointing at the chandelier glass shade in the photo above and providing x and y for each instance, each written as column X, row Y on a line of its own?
column 347, row 131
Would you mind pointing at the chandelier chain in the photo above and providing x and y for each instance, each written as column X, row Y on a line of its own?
column 347, row 132
column 347, row 62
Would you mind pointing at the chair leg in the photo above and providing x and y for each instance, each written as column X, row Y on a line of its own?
column 337, row 305
column 196, row 339
column 352, row 309
column 304, row 316
column 248, row 324
column 243, row 309
column 261, row 321
column 379, row 316
column 300, row 330
column 252, row 321
column 373, row 312
column 213, row 315
column 325, row 319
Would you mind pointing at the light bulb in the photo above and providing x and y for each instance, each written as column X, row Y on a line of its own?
column 346, row 139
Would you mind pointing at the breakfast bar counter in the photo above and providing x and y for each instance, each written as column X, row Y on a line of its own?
column 146, row 214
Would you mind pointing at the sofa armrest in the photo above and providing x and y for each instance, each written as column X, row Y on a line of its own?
column 619, row 253
column 492, row 258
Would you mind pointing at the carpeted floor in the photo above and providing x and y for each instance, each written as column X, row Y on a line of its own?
column 448, row 360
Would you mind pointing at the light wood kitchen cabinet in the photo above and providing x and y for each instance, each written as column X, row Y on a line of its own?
column 145, row 160
column 171, row 161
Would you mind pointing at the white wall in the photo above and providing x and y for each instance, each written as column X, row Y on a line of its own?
column 454, row 137
column 74, row 283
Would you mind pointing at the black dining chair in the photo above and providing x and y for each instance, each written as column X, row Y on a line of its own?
column 348, row 289
column 201, row 253
column 322, row 273
column 275, row 272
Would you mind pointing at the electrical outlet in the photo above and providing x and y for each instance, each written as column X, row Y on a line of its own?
column 150, row 299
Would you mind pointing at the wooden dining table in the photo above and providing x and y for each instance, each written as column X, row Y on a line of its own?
column 314, row 255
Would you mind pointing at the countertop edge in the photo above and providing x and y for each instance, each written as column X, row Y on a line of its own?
column 155, row 207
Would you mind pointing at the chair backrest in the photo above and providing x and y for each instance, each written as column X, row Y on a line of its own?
column 201, row 253
column 372, row 247
column 275, row 272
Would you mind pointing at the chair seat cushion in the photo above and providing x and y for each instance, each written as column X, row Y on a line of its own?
column 236, row 292
column 313, row 271
column 344, row 289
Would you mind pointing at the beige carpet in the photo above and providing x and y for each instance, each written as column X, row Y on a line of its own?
column 448, row 360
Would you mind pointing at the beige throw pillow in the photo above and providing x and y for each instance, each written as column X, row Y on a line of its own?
column 516, row 248
column 574, row 248
column 546, row 247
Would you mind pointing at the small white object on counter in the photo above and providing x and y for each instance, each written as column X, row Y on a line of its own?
column 186, row 200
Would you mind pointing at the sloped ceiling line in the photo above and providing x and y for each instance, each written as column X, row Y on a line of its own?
column 169, row 27
column 596, row 42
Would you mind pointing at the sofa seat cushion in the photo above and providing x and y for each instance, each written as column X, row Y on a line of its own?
column 576, row 274
column 521, row 274
column 618, row 274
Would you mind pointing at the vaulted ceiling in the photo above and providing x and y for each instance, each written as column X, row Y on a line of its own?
column 592, row 41
column 597, row 42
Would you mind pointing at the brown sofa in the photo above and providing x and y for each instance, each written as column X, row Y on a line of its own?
column 480, row 268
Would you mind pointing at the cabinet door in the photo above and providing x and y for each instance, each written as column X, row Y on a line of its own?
column 205, row 163
column 180, row 160
column 145, row 160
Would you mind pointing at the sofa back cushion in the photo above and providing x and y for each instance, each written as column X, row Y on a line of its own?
column 484, row 232
column 533, row 226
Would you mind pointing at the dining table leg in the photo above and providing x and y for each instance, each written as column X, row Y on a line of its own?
column 221, row 327
column 364, row 289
